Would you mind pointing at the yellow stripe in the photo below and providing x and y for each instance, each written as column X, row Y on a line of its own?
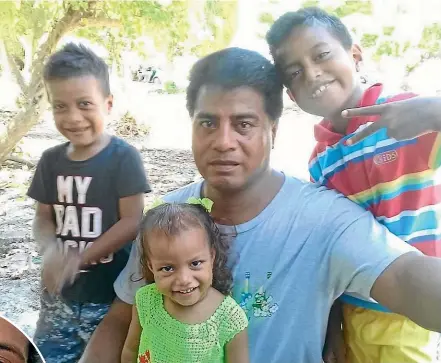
column 393, row 184
column 435, row 155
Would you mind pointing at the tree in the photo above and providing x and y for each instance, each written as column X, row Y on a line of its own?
column 32, row 29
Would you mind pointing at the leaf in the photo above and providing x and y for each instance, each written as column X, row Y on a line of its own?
column 205, row 202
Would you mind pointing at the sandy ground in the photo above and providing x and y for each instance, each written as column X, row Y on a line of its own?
column 167, row 159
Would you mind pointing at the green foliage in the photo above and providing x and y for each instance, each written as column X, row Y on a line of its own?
column 389, row 48
column 388, row 30
column 170, row 87
column 430, row 39
column 221, row 21
column 368, row 40
column 266, row 18
column 352, row 7
column 309, row 3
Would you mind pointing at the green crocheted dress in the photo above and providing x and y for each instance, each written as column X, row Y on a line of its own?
column 167, row 340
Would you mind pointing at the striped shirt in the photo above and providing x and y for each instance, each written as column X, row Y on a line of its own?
column 399, row 182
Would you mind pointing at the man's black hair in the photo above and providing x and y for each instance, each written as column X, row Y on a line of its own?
column 232, row 68
column 77, row 61
column 33, row 354
column 310, row 16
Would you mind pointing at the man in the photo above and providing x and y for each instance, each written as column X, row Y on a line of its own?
column 15, row 347
column 298, row 246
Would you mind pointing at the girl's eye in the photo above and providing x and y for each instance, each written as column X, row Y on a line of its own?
column 166, row 269
column 196, row 263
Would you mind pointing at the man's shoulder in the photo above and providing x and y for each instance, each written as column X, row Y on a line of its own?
column 182, row 194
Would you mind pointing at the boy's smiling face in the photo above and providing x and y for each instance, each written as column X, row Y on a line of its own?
column 79, row 108
column 321, row 75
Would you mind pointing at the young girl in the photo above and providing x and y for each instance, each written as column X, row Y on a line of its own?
column 187, row 315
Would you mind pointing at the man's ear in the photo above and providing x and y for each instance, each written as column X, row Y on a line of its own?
column 290, row 94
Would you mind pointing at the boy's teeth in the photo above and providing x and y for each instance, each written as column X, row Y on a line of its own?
column 320, row 90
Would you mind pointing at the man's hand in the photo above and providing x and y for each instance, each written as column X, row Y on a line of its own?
column 403, row 119
column 58, row 270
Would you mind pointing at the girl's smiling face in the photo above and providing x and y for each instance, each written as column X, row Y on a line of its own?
column 182, row 265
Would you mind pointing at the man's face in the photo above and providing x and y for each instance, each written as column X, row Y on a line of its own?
column 79, row 108
column 232, row 137
column 319, row 72
column 13, row 344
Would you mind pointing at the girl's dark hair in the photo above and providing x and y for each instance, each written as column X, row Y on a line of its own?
column 173, row 218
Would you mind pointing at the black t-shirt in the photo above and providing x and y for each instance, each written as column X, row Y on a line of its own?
column 85, row 196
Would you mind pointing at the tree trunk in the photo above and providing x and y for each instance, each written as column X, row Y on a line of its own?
column 35, row 102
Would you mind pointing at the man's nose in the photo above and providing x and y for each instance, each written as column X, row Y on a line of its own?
column 224, row 137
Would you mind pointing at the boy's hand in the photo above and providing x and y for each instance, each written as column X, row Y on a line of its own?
column 58, row 270
column 404, row 120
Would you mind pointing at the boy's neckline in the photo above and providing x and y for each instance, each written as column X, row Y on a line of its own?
column 343, row 125
column 105, row 141
column 368, row 97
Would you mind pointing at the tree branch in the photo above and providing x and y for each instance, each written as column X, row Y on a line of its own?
column 19, row 160
column 100, row 21
column 15, row 71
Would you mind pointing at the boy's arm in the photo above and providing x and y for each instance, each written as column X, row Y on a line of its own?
column 130, row 210
column 130, row 185
column 131, row 345
column 43, row 227
column 237, row 348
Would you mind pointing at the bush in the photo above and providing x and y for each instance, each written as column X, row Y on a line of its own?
column 171, row 88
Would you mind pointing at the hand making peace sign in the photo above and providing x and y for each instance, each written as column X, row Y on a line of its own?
column 404, row 120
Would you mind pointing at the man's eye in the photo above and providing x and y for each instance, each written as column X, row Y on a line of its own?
column 85, row 103
column 206, row 123
column 245, row 125
column 57, row 107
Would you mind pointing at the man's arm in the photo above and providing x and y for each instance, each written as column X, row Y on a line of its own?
column 411, row 286
column 130, row 210
column 107, row 341
column 131, row 345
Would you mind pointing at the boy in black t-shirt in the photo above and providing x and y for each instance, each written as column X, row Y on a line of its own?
column 90, row 201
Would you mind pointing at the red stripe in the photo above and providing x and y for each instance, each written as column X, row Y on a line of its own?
column 411, row 200
column 429, row 248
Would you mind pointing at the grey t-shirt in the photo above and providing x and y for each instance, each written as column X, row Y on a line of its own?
column 305, row 249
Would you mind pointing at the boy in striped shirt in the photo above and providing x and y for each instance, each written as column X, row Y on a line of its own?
column 396, row 180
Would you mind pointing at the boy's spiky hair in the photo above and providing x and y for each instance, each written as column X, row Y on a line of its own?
column 310, row 16
column 75, row 60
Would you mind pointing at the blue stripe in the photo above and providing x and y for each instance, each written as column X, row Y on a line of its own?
column 316, row 169
column 429, row 237
column 363, row 303
column 405, row 188
column 410, row 224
